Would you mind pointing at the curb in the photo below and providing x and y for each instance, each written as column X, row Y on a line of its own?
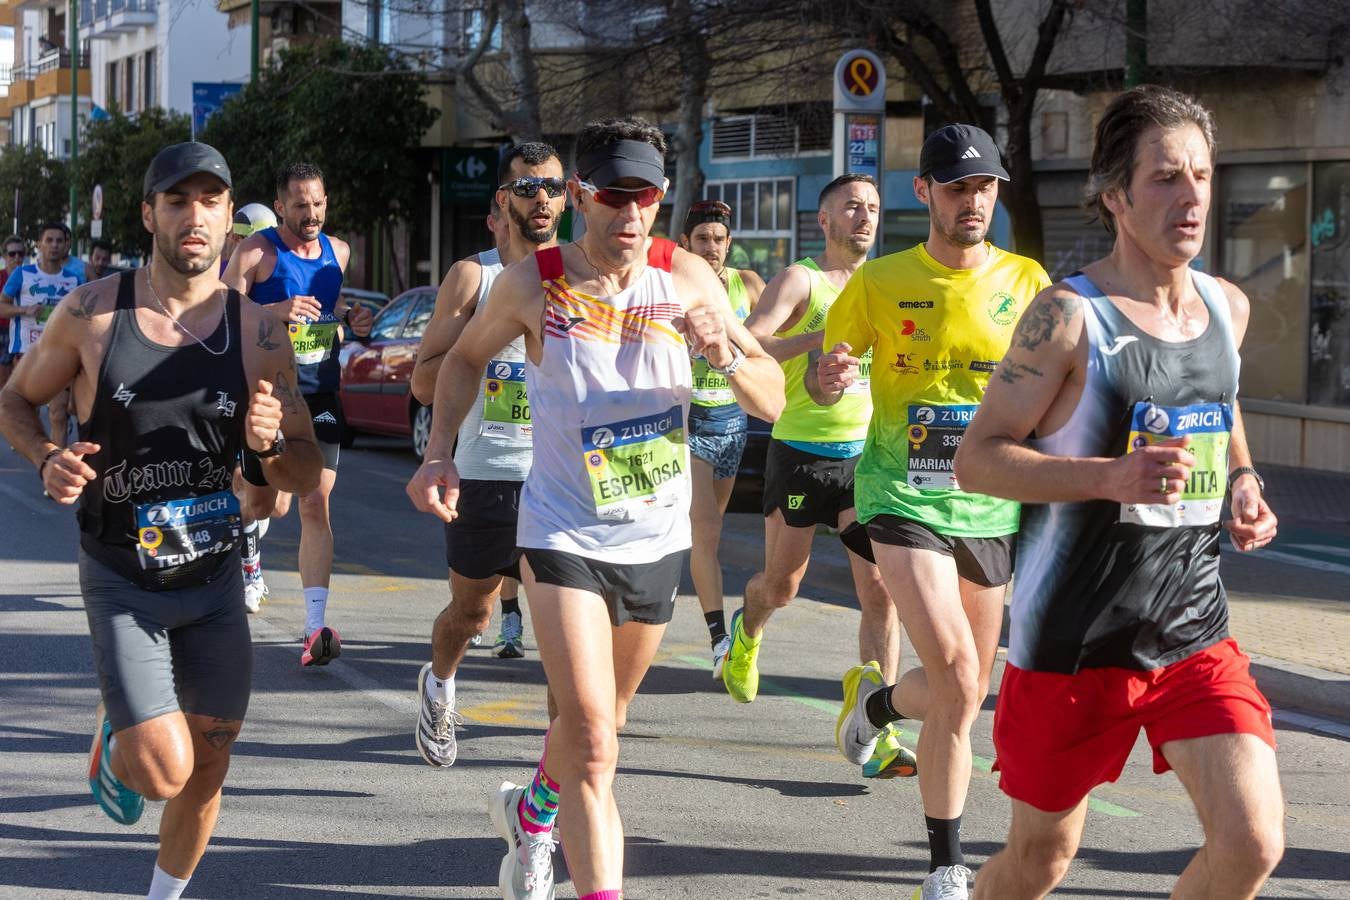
column 1291, row 685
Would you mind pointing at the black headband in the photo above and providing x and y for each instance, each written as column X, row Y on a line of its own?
column 623, row 159
column 697, row 217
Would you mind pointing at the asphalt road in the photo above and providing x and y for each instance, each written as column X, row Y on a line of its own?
column 328, row 796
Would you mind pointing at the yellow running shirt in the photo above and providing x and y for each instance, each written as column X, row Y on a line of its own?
column 937, row 334
column 803, row 419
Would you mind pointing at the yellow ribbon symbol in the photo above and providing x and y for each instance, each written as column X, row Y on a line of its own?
column 861, row 71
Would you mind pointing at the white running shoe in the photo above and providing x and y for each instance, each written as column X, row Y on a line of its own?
column 476, row 640
column 720, row 651
column 510, row 642
column 255, row 592
column 435, row 736
column 527, row 868
column 946, row 883
column 854, row 735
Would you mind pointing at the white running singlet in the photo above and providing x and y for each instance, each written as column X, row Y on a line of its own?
column 611, row 464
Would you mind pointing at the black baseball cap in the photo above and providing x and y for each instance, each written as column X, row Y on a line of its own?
column 954, row 152
column 623, row 159
column 178, row 161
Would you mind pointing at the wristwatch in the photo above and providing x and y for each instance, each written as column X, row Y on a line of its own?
column 278, row 447
column 1246, row 470
column 737, row 357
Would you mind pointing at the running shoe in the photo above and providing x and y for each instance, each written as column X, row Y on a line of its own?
column 947, row 883
column 321, row 647
column 255, row 592
column 891, row 759
column 720, row 651
column 476, row 640
column 123, row 805
column 509, row 643
column 527, row 868
column 435, row 734
column 739, row 672
column 854, row 735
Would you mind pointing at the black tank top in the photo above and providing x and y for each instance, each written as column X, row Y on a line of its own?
column 1101, row 584
column 170, row 425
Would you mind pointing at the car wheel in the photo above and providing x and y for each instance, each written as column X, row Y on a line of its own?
column 421, row 429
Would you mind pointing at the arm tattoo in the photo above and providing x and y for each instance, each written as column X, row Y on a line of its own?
column 282, row 391
column 83, row 306
column 1041, row 320
column 221, row 734
column 266, row 327
column 1012, row 372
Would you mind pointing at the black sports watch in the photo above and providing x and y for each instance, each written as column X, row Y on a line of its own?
column 278, row 447
column 1246, row 470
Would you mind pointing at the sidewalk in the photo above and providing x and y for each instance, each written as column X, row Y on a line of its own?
column 1289, row 603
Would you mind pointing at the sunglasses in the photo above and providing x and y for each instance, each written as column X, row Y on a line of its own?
column 527, row 187
column 618, row 198
column 14, row 253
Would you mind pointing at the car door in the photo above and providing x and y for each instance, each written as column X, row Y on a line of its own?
column 363, row 366
column 398, row 359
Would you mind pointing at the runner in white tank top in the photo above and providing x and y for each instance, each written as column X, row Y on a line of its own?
column 493, row 449
column 604, row 521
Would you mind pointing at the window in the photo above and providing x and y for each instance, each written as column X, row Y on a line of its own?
column 762, row 221
column 129, row 68
column 421, row 315
column 1261, row 218
column 110, row 95
column 390, row 320
column 760, row 137
column 148, row 80
column 1329, row 336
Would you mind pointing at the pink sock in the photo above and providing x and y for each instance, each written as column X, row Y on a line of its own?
column 611, row 894
column 539, row 805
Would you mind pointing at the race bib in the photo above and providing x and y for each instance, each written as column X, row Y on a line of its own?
column 934, row 433
column 174, row 532
column 44, row 312
column 637, row 465
column 864, row 382
column 506, row 408
column 710, row 388
column 313, row 341
column 1209, row 426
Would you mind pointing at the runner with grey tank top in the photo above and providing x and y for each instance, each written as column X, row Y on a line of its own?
column 609, row 324
column 493, row 448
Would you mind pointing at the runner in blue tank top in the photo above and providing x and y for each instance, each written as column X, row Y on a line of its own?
column 296, row 270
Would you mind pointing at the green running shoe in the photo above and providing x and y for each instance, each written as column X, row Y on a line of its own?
column 123, row 805
column 739, row 672
column 891, row 759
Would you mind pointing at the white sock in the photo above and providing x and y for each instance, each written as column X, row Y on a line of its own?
column 441, row 691
column 262, row 527
column 165, row 887
column 316, row 601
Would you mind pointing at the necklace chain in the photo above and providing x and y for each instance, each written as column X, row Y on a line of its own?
column 179, row 325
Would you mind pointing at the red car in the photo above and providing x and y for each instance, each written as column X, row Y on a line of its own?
column 375, row 391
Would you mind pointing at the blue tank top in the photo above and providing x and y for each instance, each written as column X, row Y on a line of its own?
column 316, row 343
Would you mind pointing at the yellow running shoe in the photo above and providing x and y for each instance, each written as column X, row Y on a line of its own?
column 891, row 759
column 854, row 735
column 739, row 672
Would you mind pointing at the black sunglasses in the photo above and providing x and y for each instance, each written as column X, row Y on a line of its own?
column 529, row 186
column 14, row 253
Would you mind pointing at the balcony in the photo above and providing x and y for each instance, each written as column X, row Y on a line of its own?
column 49, row 76
column 106, row 19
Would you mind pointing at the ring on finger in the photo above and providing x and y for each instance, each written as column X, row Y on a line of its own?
column 1162, row 488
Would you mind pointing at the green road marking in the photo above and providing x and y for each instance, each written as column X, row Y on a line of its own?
column 980, row 763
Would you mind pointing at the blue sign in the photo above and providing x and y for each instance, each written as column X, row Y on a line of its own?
column 207, row 99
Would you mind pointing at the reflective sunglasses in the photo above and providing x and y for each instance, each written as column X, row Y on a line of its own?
column 618, row 198
column 528, row 186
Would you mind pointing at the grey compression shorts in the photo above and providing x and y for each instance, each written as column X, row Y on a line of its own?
column 156, row 652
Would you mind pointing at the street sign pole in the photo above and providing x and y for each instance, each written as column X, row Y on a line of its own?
column 860, row 123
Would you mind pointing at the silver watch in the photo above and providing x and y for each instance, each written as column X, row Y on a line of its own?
column 737, row 357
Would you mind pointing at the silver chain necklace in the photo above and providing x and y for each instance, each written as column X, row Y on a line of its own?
column 179, row 325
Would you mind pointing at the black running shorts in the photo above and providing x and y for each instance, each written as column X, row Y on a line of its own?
column 808, row 489
column 634, row 592
column 481, row 541
column 983, row 561
column 156, row 652
column 326, row 410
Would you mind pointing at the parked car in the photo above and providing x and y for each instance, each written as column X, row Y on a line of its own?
column 371, row 300
column 376, row 375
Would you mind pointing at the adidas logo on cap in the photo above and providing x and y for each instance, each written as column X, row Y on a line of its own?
column 971, row 153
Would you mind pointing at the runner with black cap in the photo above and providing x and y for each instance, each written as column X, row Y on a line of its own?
column 717, row 425
column 165, row 351
column 937, row 317
column 609, row 323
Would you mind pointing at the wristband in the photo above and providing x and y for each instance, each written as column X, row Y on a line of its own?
column 251, row 468
column 46, row 459
column 1246, row 470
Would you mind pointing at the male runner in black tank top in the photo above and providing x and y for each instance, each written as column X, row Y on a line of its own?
column 1114, row 420
column 173, row 377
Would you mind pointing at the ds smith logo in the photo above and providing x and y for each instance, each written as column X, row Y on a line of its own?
column 910, row 329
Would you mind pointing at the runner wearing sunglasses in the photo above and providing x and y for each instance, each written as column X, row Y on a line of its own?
column 493, row 451
column 717, row 425
column 608, row 322
column 16, row 251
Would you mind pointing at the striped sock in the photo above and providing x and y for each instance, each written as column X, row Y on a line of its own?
column 539, row 804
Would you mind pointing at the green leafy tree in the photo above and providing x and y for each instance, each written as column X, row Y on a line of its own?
column 36, row 184
column 355, row 111
column 115, row 153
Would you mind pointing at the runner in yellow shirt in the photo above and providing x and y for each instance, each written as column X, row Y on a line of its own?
column 937, row 318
